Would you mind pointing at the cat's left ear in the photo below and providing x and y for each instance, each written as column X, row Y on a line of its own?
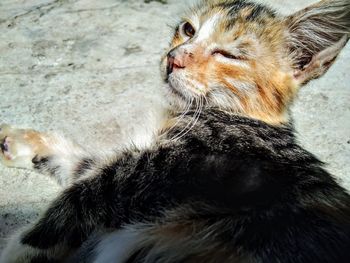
column 316, row 35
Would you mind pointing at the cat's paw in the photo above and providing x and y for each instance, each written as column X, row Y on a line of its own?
column 18, row 147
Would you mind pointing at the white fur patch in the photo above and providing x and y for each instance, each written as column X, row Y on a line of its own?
column 195, row 21
column 233, row 62
column 208, row 28
column 198, row 86
column 116, row 247
column 64, row 154
column 243, row 86
column 225, row 99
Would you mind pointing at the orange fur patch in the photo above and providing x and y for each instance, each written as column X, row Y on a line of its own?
column 262, row 41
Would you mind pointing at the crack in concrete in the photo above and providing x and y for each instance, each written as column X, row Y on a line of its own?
column 73, row 71
column 93, row 9
column 50, row 6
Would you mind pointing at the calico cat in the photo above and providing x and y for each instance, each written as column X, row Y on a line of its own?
column 225, row 179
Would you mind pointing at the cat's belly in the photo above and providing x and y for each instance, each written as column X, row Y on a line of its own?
column 114, row 247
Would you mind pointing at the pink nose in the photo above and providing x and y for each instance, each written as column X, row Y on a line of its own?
column 176, row 61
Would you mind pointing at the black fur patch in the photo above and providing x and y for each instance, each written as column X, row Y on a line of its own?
column 249, row 180
column 83, row 166
column 43, row 259
column 235, row 7
column 40, row 162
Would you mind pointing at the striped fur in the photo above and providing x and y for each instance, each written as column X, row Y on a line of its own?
column 224, row 180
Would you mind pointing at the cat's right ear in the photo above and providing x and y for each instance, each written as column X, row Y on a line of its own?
column 316, row 35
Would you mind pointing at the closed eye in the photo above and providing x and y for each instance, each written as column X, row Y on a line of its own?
column 226, row 54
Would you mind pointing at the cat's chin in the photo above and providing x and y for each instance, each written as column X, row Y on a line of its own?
column 177, row 92
column 176, row 100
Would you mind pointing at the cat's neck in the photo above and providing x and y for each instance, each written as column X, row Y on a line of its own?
column 186, row 120
column 174, row 117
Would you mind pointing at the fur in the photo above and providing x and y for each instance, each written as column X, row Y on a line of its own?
column 224, row 179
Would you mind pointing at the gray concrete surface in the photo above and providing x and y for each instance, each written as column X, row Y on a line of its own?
column 90, row 69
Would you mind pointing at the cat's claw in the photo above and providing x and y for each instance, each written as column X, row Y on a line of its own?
column 4, row 146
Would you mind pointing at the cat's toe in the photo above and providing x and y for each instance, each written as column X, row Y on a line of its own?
column 4, row 145
column 5, row 148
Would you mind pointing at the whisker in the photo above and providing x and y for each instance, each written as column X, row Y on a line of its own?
column 179, row 118
column 206, row 101
column 177, row 136
column 197, row 115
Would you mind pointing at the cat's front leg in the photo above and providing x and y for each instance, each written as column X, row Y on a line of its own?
column 46, row 153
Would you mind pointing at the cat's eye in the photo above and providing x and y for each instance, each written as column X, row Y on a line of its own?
column 188, row 29
column 225, row 54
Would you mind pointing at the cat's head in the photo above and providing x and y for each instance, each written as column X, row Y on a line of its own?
column 245, row 58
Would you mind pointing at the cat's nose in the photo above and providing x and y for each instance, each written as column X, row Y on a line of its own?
column 175, row 61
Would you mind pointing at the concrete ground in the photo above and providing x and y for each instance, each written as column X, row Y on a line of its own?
column 90, row 70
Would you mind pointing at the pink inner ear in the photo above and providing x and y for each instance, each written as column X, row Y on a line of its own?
column 320, row 63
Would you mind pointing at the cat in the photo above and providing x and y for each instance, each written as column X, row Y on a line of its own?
column 225, row 179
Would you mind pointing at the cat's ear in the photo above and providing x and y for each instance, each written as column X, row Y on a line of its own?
column 316, row 35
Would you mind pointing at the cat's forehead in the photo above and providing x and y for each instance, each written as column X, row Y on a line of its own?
column 220, row 15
